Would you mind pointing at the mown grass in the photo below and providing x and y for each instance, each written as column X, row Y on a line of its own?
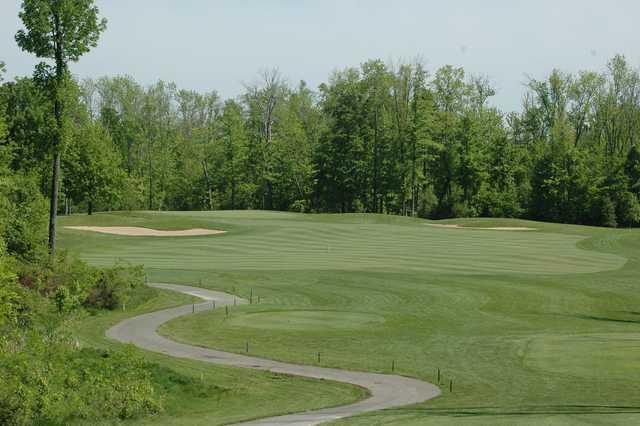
column 535, row 327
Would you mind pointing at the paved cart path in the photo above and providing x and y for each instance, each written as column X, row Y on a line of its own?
column 386, row 390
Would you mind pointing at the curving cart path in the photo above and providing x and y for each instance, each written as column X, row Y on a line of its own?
column 386, row 390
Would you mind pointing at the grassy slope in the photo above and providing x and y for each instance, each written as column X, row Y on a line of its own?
column 535, row 326
column 205, row 394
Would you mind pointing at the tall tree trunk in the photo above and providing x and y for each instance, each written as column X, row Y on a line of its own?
column 269, row 195
column 57, row 139
column 423, row 186
column 90, row 208
column 129, row 157
column 53, row 207
column 233, row 194
column 150, row 181
column 413, row 177
column 233, row 187
column 205, row 170
column 376, row 174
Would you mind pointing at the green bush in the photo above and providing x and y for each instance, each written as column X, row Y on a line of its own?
column 299, row 206
column 23, row 212
column 627, row 209
column 114, row 286
column 50, row 381
column 16, row 303
column 45, row 378
column 71, row 283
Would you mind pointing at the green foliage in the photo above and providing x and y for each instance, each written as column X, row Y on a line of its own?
column 76, row 28
column 233, row 159
column 62, row 31
column 627, row 209
column 113, row 287
column 92, row 171
column 44, row 377
column 3, row 120
column 377, row 138
column 124, row 390
column 73, row 284
column 11, row 302
column 49, row 381
column 22, row 212
column 30, row 120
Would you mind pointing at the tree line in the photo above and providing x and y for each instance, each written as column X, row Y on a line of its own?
column 379, row 138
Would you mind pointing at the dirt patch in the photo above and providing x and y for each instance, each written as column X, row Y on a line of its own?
column 135, row 231
column 493, row 228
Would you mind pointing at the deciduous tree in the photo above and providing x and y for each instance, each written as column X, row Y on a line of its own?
column 62, row 31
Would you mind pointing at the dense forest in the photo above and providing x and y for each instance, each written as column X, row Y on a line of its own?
column 382, row 138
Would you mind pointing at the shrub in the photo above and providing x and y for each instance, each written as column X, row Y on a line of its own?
column 44, row 377
column 628, row 209
column 113, row 287
column 49, row 381
column 23, row 213
column 299, row 206
column 71, row 283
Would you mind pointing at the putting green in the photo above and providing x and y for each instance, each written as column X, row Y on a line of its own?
column 305, row 320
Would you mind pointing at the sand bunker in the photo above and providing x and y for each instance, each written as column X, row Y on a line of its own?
column 494, row 228
column 135, row 231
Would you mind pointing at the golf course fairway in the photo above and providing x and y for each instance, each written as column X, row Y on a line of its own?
column 520, row 327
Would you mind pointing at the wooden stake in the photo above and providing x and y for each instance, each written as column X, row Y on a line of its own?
column 393, row 365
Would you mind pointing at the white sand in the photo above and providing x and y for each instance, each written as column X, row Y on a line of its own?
column 494, row 228
column 135, row 231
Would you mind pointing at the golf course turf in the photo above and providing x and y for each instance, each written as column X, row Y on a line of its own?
column 384, row 390
column 535, row 327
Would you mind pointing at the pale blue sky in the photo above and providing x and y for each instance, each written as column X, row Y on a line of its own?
column 207, row 45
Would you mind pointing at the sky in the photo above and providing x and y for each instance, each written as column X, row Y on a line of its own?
column 222, row 45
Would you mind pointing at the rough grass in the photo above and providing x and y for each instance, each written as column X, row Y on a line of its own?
column 537, row 327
